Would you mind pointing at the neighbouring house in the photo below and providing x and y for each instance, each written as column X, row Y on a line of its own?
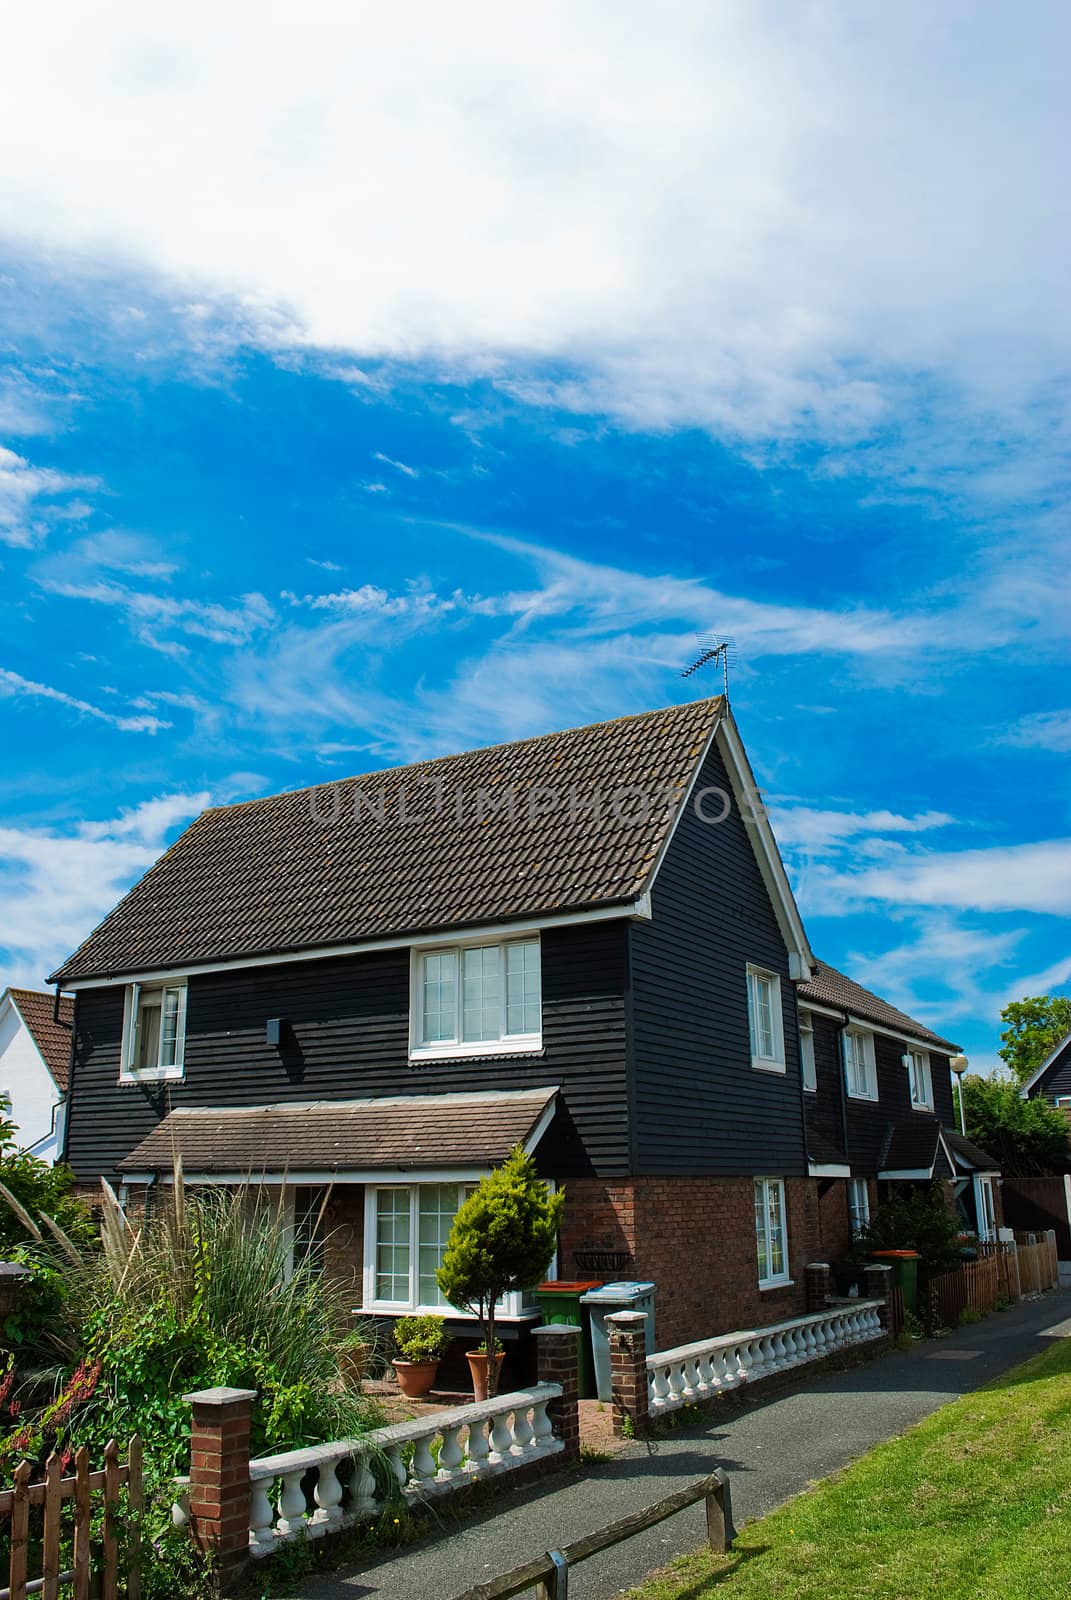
column 1052, row 1080
column 584, row 942
column 880, row 1111
column 35, row 1054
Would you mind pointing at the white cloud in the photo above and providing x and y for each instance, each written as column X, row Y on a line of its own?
column 57, row 884
column 1023, row 877
column 120, row 551
column 29, row 496
column 1044, row 730
column 399, row 466
column 946, row 972
column 325, row 566
column 762, row 218
column 13, row 685
column 810, row 828
column 153, row 615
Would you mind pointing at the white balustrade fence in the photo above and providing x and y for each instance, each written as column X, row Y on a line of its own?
column 695, row 1372
column 303, row 1494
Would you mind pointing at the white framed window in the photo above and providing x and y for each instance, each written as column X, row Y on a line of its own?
column 860, row 1068
column 764, row 1020
column 917, row 1063
column 154, row 1032
column 858, row 1205
column 406, row 1229
column 808, row 1070
column 771, row 1232
column 986, row 1209
column 476, row 999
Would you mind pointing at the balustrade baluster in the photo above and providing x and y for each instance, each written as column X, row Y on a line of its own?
column 292, row 1505
column 660, row 1387
column 675, row 1373
column 261, row 1515
column 522, row 1432
column 501, row 1438
column 477, row 1447
column 451, row 1454
column 328, row 1497
column 542, row 1427
column 363, row 1481
column 711, row 1372
column 422, row 1468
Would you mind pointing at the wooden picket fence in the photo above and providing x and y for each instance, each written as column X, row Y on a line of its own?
column 1039, row 1265
column 64, row 1546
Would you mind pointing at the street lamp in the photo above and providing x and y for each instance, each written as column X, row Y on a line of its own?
column 958, row 1065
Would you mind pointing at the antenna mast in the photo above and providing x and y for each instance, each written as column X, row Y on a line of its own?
column 712, row 649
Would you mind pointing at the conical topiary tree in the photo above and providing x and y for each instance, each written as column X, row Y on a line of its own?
column 503, row 1238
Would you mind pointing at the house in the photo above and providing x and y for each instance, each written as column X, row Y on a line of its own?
column 880, row 1111
column 35, row 1050
column 1052, row 1080
column 583, row 942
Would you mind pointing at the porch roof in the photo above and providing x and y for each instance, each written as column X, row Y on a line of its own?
column 329, row 1137
column 915, row 1149
column 968, row 1156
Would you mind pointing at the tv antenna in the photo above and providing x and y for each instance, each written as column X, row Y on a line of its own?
column 712, row 649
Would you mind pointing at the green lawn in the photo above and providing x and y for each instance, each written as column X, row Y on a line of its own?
column 973, row 1504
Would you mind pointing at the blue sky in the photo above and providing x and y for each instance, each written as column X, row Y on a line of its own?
column 407, row 387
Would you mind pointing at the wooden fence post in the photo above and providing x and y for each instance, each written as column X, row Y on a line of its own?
column 219, row 1474
column 720, row 1530
column 555, row 1586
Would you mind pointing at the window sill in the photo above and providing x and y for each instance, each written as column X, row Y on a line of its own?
column 154, row 1075
column 761, row 1064
column 926, row 1110
column 775, row 1283
column 810, row 1088
column 869, row 1099
column 379, row 1309
column 520, row 1045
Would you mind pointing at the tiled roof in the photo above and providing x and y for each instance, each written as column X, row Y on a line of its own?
column 410, row 1132
column 829, row 987
column 53, row 1039
column 913, row 1147
column 968, row 1154
column 267, row 877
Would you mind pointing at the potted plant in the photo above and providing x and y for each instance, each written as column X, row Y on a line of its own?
column 421, row 1343
column 502, row 1239
column 477, row 1360
column 354, row 1352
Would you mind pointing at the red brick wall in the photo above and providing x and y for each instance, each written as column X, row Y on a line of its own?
column 695, row 1239
column 836, row 1231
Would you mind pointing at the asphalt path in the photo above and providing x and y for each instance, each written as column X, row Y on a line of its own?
column 770, row 1449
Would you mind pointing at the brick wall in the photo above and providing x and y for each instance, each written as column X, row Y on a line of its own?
column 835, row 1225
column 695, row 1239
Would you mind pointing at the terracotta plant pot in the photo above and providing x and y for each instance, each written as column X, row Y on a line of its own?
column 477, row 1361
column 353, row 1363
column 415, row 1378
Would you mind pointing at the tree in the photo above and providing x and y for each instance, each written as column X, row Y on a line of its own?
column 503, row 1238
column 1035, row 1027
column 39, row 1188
column 1026, row 1137
column 915, row 1220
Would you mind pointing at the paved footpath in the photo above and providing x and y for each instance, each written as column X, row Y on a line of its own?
column 771, row 1450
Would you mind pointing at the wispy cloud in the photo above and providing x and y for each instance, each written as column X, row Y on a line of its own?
column 154, row 616
column 809, row 828
column 13, row 685
column 57, row 883
column 399, row 466
column 1020, row 877
column 1043, row 730
column 325, row 566
column 32, row 499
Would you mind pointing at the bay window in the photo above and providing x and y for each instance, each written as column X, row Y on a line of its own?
column 154, row 1032
column 477, row 999
column 771, row 1233
column 764, row 1020
column 406, row 1229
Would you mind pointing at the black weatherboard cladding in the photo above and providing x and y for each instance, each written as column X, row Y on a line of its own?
column 348, row 1038
column 700, row 1106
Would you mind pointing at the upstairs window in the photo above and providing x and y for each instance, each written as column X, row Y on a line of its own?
column 477, row 999
column 917, row 1063
column 771, row 1234
column 764, row 1020
column 860, row 1069
column 808, row 1069
column 154, row 1032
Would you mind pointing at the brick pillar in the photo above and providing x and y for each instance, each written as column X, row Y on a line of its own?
column 817, row 1284
column 219, row 1474
column 628, row 1371
column 876, row 1278
column 558, row 1361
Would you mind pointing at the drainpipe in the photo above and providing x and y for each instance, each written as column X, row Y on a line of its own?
column 841, row 1031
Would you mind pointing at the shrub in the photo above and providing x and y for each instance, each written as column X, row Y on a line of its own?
column 502, row 1239
column 421, row 1339
column 920, row 1221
